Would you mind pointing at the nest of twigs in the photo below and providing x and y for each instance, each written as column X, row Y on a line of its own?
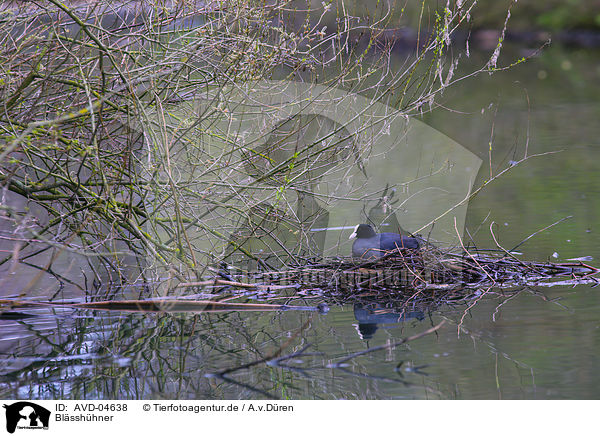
column 426, row 271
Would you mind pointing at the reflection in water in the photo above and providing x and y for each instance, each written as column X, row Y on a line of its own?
column 65, row 353
column 73, row 354
column 370, row 316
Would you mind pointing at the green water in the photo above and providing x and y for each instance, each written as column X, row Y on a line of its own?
column 534, row 346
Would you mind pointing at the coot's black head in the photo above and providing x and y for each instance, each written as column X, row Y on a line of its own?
column 363, row 231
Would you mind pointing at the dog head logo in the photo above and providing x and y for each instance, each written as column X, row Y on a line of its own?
column 26, row 415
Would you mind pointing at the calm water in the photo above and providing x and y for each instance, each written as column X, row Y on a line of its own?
column 529, row 348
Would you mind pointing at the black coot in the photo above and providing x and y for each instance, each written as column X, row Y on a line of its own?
column 369, row 244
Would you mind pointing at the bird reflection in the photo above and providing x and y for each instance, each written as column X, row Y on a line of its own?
column 370, row 316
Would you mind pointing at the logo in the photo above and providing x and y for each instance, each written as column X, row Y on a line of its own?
column 26, row 415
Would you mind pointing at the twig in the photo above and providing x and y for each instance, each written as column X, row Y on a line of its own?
column 539, row 231
column 268, row 357
column 217, row 282
column 388, row 346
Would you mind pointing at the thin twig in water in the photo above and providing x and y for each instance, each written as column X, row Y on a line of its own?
column 462, row 318
column 388, row 346
column 507, row 253
column 270, row 356
column 540, row 231
column 503, row 303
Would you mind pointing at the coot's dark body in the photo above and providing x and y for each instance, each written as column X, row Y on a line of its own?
column 369, row 244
